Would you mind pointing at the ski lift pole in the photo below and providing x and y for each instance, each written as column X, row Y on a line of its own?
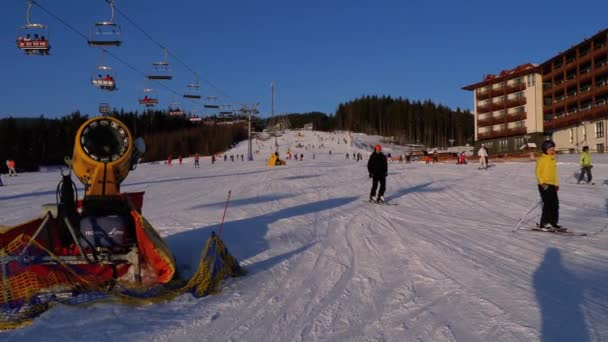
column 534, row 206
column 223, row 217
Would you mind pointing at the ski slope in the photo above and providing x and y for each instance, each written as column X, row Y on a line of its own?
column 324, row 265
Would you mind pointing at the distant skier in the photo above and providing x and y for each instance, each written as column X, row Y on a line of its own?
column 225, row 157
column 347, row 155
column 180, row 160
column 408, row 157
column 483, row 157
column 212, row 159
column 377, row 167
column 11, row 168
column 196, row 160
column 585, row 162
column 463, row 158
column 301, row 156
column 548, row 186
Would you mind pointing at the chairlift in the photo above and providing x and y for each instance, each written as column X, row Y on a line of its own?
column 210, row 102
column 33, row 38
column 175, row 109
column 193, row 91
column 161, row 71
column 106, row 33
column 149, row 98
column 104, row 77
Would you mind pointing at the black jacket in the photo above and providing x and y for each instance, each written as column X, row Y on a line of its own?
column 376, row 165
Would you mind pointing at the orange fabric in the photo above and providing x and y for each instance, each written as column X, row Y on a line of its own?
column 152, row 253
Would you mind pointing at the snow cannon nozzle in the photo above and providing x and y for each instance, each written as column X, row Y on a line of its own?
column 102, row 156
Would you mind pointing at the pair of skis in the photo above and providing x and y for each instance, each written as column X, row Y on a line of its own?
column 537, row 228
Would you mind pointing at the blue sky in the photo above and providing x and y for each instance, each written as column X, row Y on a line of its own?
column 319, row 53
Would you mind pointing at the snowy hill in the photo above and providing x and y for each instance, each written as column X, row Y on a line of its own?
column 324, row 265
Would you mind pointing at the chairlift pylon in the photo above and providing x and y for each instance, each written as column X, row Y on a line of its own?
column 106, row 33
column 33, row 38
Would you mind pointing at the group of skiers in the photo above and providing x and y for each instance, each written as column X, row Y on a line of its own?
column 546, row 176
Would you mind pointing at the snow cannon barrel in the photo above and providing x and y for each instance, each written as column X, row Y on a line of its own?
column 102, row 155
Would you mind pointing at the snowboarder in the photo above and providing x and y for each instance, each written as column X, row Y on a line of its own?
column 377, row 167
column 483, row 157
column 585, row 162
column 196, row 160
column 548, row 186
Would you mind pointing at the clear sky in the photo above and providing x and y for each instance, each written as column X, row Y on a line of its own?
column 319, row 53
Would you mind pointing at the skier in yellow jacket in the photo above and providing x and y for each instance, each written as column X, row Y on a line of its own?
column 586, row 166
column 548, row 186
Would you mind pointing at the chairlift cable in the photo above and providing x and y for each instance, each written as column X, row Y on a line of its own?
column 162, row 46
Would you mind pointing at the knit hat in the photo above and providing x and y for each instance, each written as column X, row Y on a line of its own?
column 378, row 147
column 547, row 144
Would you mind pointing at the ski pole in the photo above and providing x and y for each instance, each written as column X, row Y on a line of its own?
column 534, row 206
column 223, row 217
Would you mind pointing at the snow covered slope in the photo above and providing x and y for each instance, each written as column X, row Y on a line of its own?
column 324, row 265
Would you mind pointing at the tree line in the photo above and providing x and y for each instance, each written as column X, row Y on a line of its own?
column 408, row 122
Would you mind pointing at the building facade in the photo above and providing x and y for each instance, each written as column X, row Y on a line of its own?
column 508, row 109
column 564, row 98
column 575, row 95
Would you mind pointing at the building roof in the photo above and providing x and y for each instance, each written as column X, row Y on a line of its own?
column 518, row 71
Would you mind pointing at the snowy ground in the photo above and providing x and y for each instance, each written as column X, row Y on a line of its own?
column 442, row 265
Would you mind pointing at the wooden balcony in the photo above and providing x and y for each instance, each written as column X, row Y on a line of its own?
column 490, row 121
column 502, row 133
column 483, row 95
column 512, row 88
column 516, row 102
column 516, row 116
column 575, row 118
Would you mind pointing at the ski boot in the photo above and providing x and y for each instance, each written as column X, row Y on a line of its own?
column 380, row 199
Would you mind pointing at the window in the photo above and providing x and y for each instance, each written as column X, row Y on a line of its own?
column 599, row 148
column 571, row 135
column 519, row 142
column 503, row 145
column 599, row 129
column 531, row 81
column 584, row 133
column 520, row 124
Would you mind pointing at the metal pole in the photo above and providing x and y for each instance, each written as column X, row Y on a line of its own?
column 250, row 153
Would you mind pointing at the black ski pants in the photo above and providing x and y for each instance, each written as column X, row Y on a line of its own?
column 550, row 205
column 585, row 169
column 382, row 181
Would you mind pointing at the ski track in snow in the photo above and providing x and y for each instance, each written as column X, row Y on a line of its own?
column 443, row 265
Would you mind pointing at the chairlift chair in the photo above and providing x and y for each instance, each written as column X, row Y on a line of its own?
column 149, row 98
column 106, row 33
column 104, row 78
column 161, row 71
column 174, row 109
column 33, row 38
column 192, row 91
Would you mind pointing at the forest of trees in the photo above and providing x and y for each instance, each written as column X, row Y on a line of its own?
column 320, row 121
column 32, row 142
column 409, row 122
